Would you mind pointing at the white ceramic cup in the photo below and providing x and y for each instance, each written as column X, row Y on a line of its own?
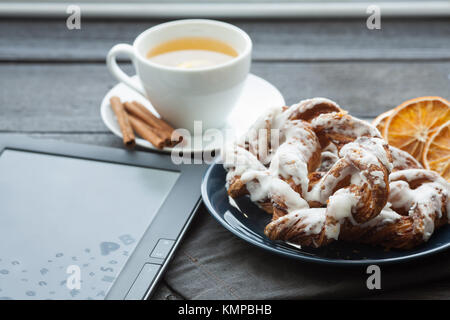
column 182, row 96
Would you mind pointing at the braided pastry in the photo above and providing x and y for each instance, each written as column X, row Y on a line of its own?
column 325, row 175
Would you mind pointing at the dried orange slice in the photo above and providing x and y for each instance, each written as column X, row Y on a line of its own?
column 413, row 122
column 380, row 121
column 436, row 155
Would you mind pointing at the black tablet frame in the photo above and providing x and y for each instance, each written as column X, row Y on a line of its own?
column 172, row 219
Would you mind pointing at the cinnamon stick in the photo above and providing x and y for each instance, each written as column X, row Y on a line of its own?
column 124, row 123
column 164, row 129
column 146, row 132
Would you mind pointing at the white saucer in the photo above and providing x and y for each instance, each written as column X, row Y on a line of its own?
column 257, row 95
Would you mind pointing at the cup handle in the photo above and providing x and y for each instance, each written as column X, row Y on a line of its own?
column 115, row 70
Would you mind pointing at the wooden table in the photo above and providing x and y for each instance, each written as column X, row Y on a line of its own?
column 52, row 79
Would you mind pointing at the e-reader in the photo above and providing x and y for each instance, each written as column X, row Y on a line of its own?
column 89, row 222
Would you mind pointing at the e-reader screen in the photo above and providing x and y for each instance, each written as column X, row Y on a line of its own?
column 68, row 225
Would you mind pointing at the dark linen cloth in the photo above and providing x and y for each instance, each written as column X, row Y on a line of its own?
column 212, row 263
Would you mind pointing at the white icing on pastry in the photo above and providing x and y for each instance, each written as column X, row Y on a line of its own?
column 269, row 169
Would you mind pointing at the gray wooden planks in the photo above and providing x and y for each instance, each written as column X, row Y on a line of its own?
column 305, row 40
column 430, row 291
column 66, row 97
column 365, row 71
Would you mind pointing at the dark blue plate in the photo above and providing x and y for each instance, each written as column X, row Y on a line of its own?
column 249, row 221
